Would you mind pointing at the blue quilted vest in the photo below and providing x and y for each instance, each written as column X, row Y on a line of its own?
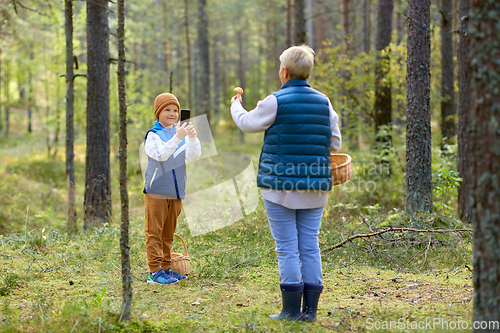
column 168, row 177
column 296, row 150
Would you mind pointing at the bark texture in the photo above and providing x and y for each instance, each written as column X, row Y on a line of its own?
column 124, row 226
column 70, row 128
column 383, row 98
column 188, row 49
column 448, row 113
column 485, row 101
column 418, row 197
column 299, row 22
column 97, row 201
column 204, row 49
column 464, row 115
column 288, row 29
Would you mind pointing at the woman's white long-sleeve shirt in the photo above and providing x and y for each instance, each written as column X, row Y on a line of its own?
column 260, row 119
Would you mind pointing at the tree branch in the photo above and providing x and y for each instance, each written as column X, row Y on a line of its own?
column 393, row 229
column 16, row 3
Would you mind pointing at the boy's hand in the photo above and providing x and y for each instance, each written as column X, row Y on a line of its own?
column 182, row 131
column 236, row 98
column 191, row 131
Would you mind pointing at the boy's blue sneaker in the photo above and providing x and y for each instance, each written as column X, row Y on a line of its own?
column 175, row 275
column 161, row 278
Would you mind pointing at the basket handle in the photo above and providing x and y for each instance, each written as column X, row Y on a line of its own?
column 183, row 244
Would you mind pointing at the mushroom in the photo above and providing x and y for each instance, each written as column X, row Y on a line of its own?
column 238, row 90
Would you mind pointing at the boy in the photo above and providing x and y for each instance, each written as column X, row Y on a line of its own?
column 167, row 149
column 294, row 175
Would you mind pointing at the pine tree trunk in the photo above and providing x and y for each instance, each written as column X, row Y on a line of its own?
column 401, row 20
column 97, row 201
column 418, row 196
column 124, row 226
column 448, row 114
column 216, row 64
column 165, row 36
column 383, row 97
column 310, row 25
column 484, row 30
column 188, row 49
column 346, row 21
column 70, row 128
column 7, row 99
column 465, row 115
column 48, row 144
column 30, row 94
column 1, row 79
column 300, row 23
column 366, row 28
column 288, row 30
column 204, row 49
column 58, row 120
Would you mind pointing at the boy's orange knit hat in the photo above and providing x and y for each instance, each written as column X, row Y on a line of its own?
column 162, row 100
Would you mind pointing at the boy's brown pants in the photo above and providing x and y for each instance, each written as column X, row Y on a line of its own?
column 160, row 223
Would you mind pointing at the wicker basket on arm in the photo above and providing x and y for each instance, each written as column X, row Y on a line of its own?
column 341, row 168
column 180, row 262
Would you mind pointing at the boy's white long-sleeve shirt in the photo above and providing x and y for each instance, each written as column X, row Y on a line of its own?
column 160, row 151
column 260, row 119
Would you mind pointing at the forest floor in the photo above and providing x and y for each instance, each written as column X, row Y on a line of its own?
column 59, row 283
column 54, row 282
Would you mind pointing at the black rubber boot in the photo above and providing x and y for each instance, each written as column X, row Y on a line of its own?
column 291, row 295
column 311, row 298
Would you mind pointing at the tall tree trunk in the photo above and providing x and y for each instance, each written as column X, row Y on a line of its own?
column 97, row 199
column 299, row 23
column 464, row 116
column 484, row 30
column 276, row 54
column 346, row 21
column 58, row 120
column 30, row 92
column 216, row 65
column 188, row 49
column 418, row 196
column 7, row 99
column 448, row 114
column 165, row 36
column 48, row 144
column 383, row 97
column 366, row 27
column 1, row 79
column 310, row 24
column 124, row 226
column 70, row 128
column 288, row 29
column 241, row 72
column 204, row 49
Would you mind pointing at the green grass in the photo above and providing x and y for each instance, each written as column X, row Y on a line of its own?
column 54, row 282
column 67, row 283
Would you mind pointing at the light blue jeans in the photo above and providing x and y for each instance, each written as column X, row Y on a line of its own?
column 295, row 233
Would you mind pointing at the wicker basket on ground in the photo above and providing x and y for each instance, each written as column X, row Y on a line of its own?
column 179, row 263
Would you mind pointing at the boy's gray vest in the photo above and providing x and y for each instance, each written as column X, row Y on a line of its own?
column 296, row 150
column 168, row 177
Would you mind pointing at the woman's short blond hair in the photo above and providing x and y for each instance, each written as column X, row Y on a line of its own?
column 299, row 61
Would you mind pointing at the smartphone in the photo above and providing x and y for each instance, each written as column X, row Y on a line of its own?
column 185, row 115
